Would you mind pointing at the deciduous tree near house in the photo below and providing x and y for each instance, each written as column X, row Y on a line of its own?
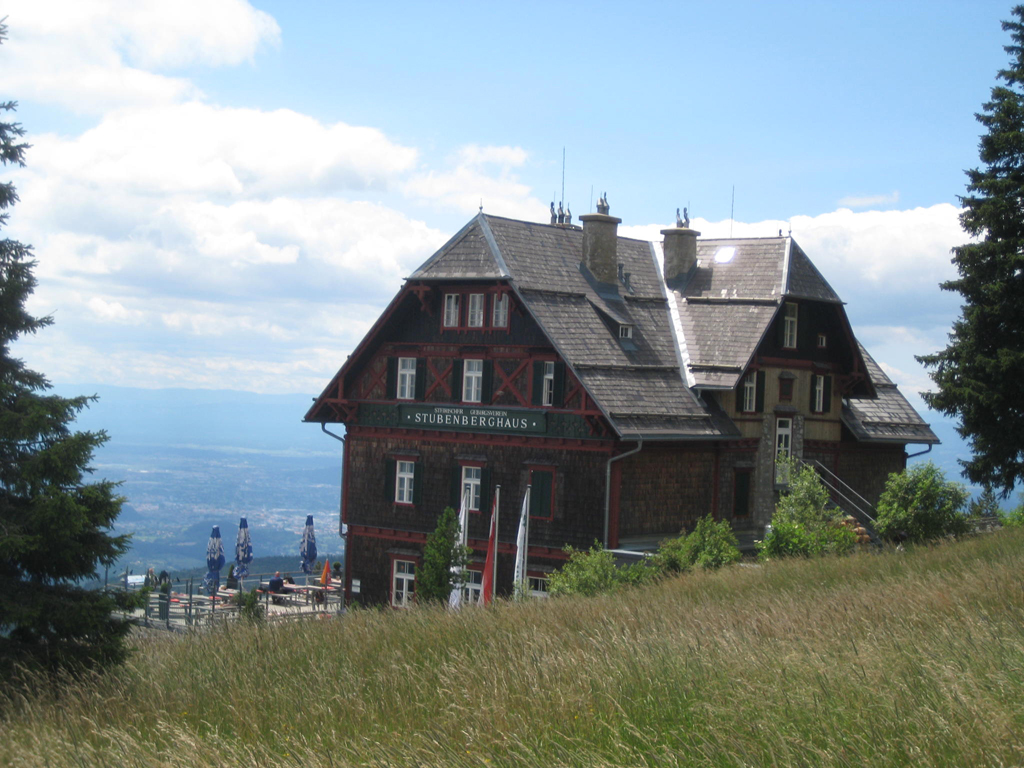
column 54, row 526
column 979, row 374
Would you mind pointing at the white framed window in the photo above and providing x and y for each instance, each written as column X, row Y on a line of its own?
column 750, row 393
column 499, row 312
column 822, row 341
column 472, row 381
column 538, row 586
column 789, row 326
column 548, row 391
column 451, row 310
column 471, row 486
column 476, row 311
column 405, row 474
column 625, row 331
column 819, row 394
column 473, row 587
column 783, row 443
column 406, row 378
column 403, row 583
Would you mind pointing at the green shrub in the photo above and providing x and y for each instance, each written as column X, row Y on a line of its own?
column 1015, row 517
column 804, row 523
column 711, row 544
column 919, row 504
column 249, row 606
column 593, row 571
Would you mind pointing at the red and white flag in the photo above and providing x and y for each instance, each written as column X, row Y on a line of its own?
column 491, row 563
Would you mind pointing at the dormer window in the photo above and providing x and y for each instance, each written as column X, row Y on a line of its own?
column 625, row 331
column 822, row 341
column 789, row 326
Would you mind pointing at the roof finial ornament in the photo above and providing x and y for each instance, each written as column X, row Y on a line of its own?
column 568, row 215
column 561, row 213
column 602, row 203
column 554, row 217
column 686, row 218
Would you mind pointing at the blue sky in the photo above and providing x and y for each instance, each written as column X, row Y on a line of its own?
column 225, row 194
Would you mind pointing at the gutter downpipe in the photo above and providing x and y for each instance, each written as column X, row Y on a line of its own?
column 921, row 453
column 608, row 485
column 341, row 526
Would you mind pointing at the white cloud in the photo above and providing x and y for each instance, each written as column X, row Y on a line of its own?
column 867, row 201
column 480, row 176
column 93, row 55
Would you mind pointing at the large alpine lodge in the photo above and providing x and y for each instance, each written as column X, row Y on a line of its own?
column 633, row 398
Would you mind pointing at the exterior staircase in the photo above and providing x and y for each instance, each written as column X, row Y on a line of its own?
column 847, row 499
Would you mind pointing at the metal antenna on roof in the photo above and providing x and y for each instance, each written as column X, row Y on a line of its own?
column 481, row 205
column 563, row 177
column 732, row 210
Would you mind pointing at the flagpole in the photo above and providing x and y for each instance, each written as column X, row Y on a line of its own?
column 494, row 571
column 526, row 545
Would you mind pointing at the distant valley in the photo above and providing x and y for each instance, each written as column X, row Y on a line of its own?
column 192, row 459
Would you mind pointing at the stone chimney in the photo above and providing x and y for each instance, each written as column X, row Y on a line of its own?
column 680, row 249
column 600, row 242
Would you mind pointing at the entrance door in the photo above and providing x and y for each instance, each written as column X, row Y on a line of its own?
column 783, row 441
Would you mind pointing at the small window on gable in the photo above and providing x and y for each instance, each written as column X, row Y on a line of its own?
column 499, row 313
column 785, row 389
column 451, row 310
column 822, row 341
column 750, row 393
column 475, row 317
column 625, row 331
column 789, row 326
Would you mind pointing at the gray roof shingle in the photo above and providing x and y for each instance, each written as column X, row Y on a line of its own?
column 721, row 315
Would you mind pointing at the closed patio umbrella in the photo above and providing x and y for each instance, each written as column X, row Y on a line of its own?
column 243, row 550
column 214, row 561
column 308, row 547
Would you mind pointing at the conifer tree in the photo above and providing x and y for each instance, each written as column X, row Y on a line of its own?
column 980, row 373
column 441, row 554
column 54, row 526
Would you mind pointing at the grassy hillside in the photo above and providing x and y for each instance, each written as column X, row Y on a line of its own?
column 912, row 658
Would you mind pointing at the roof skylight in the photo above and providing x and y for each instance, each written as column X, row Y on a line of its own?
column 724, row 254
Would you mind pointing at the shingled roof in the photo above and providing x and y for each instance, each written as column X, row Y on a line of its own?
column 637, row 384
column 701, row 335
column 726, row 306
column 889, row 418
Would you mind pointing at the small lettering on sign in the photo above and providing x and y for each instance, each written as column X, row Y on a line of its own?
column 475, row 419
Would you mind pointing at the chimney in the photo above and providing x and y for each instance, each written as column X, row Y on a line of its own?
column 680, row 249
column 600, row 241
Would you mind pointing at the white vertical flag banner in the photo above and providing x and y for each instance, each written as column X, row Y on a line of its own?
column 455, row 596
column 522, row 542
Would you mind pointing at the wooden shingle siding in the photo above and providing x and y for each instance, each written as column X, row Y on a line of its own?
column 578, row 514
column 665, row 490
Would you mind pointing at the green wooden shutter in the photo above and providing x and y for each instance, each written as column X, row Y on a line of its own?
column 485, row 489
column 759, row 393
column 537, row 392
column 456, row 380
column 417, row 483
column 739, row 394
column 392, row 379
column 455, row 497
column 827, row 403
column 540, row 493
column 421, row 378
column 390, row 468
column 558, row 392
column 488, row 382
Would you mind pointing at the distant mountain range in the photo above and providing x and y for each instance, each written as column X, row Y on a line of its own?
column 192, row 459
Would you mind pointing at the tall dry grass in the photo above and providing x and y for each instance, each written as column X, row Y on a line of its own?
column 912, row 658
